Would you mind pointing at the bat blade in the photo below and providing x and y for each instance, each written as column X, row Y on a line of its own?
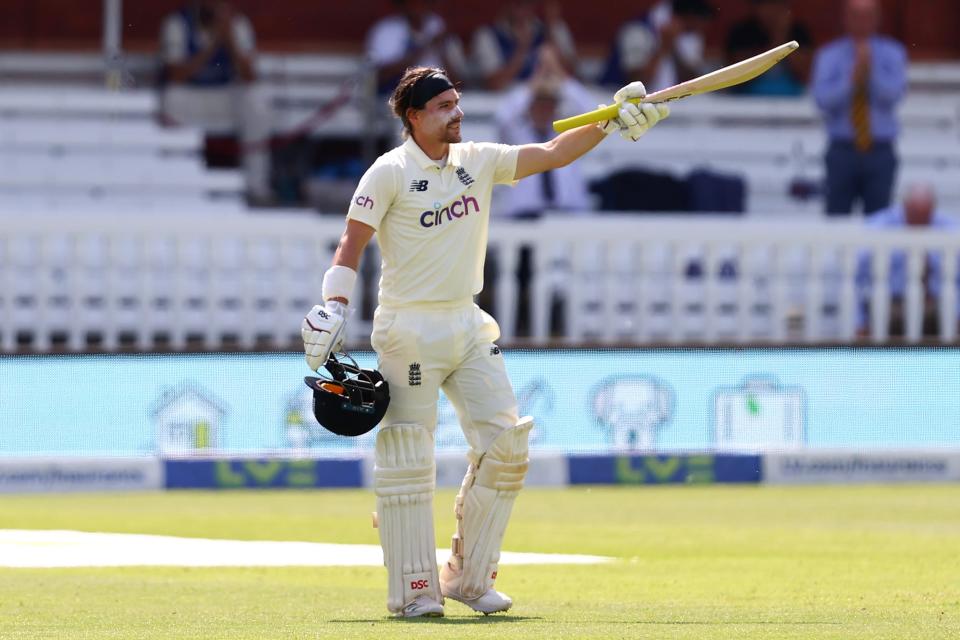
column 729, row 76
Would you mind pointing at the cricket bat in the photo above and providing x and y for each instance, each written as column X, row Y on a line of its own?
column 735, row 74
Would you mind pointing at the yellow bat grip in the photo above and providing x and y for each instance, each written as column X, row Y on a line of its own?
column 597, row 115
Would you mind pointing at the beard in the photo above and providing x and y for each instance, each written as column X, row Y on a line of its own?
column 452, row 133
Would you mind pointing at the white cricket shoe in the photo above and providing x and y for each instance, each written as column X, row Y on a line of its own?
column 490, row 602
column 422, row 606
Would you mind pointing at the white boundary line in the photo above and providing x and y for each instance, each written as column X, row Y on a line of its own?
column 47, row 549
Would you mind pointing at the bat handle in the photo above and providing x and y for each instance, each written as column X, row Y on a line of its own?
column 597, row 115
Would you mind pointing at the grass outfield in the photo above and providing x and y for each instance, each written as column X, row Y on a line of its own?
column 696, row 562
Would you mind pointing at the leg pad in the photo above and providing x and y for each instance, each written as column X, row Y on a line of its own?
column 404, row 479
column 483, row 509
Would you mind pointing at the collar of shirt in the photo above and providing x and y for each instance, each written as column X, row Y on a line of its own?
column 425, row 162
column 895, row 216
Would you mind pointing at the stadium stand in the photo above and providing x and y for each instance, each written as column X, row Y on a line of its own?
column 68, row 147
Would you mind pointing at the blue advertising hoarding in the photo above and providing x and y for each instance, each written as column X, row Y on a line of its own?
column 274, row 473
column 663, row 401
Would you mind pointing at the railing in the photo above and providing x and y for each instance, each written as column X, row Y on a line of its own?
column 208, row 282
column 670, row 279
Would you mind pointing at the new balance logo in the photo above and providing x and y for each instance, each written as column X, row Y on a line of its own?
column 494, row 350
column 419, row 185
column 464, row 177
column 414, row 374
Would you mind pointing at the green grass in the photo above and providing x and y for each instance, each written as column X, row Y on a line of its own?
column 695, row 562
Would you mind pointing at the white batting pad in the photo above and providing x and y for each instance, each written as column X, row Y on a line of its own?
column 483, row 509
column 404, row 478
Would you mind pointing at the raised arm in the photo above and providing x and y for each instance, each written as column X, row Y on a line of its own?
column 558, row 152
column 632, row 122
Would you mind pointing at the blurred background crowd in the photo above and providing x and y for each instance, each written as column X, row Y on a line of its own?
column 216, row 106
column 546, row 59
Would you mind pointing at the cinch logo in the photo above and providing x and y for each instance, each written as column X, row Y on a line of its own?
column 364, row 201
column 457, row 209
column 416, row 585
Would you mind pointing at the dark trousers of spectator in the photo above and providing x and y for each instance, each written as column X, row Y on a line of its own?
column 897, row 322
column 854, row 175
column 523, row 275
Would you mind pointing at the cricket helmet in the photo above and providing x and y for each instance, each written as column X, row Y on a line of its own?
column 351, row 401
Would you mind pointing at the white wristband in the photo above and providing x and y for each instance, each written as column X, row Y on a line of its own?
column 338, row 282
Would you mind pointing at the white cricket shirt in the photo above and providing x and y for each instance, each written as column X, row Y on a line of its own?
column 432, row 222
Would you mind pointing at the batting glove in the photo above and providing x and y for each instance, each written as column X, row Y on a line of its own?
column 322, row 331
column 634, row 120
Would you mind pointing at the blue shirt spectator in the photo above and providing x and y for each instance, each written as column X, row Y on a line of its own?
column 209, row 70
column 662, row 47
column 508, row 50
column 833, row 86
column 414, row 36
column 918, row 210
column 857, row 82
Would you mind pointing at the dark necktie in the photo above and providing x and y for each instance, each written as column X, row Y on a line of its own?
column 548, row 188
column 860, row 115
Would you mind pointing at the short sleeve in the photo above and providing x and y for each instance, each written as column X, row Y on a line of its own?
column 387, row 42
column 243, row 34
column 486, row 52
column 637, row 44
column 374, row 195
column 504, row 159
column 561, row 36
column 173, row 40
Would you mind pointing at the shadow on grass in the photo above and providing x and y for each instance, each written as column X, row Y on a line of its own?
column 725, row 622
column 497, row 619
column 491, row 619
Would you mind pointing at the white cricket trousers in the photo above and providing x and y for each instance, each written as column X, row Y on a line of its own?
column 450, row 346
column 240, row 107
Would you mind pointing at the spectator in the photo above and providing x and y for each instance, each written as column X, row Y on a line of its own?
column 858, row 80
column 526, row 116
column 919, row 210
column 208, row 55
column 414, row 36
column 507, row 51
column 769, row 25
column 663, row 47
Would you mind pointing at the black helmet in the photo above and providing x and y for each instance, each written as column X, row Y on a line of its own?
column 352, row 401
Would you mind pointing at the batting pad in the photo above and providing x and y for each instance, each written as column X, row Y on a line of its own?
column 483, row 509
column 404, row 478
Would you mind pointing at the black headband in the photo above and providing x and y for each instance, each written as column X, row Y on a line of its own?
column 427, row 87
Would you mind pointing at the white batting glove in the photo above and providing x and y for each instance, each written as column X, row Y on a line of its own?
column 322, row 331
column 638, row 119
column 632, row 90
column 634, row 120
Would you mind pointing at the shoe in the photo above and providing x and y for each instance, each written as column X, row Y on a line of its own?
column 422, row 606
column 490, row 602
